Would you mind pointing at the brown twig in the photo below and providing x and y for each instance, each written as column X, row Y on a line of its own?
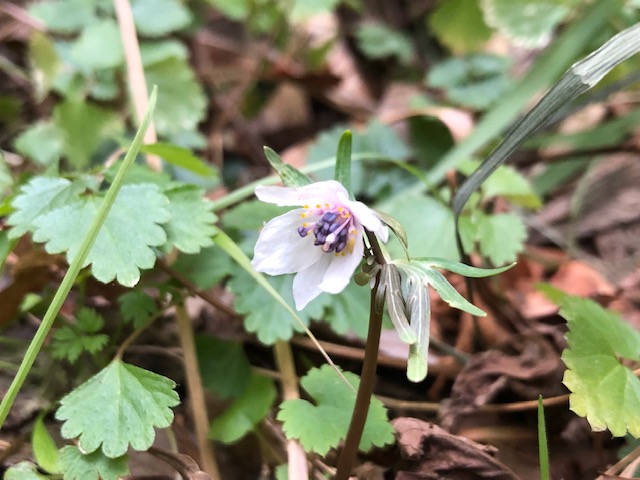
column 196, row 393
column 135, row 73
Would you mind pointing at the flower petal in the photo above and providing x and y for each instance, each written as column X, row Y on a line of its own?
column 306, row 284
column 280, row 249
column 319, row 192
column 368, row 218
column 341, row 269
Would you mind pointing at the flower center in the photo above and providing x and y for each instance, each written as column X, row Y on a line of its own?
column 334, row 231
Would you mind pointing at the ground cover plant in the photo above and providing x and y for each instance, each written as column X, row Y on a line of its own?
column 269, row 239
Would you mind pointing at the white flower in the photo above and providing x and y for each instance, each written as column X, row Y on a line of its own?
column 322, row 241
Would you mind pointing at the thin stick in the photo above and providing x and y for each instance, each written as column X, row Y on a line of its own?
column 284, row 360
column 196, row 393
column 135, row 73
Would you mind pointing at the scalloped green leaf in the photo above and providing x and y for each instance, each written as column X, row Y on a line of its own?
column 64, row 16
column 38, row 197
column 245, row 412
column 192, row 223
column 137, row 307
column 264, row 315
column 102, row 37
column 528, row 22
column 182, row 104
column 118, row 408
column 92, row 466
column 70, row 342
column 376, row 40
column 23, row 471
column 42, row 142
column 603, row 389
column 123, row 245
column 321, row 426
column 155, row 18
column 501, row 237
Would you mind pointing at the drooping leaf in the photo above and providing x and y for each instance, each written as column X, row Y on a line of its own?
column 191, row 226
column 448, row 293
column 117, row 408
column 376, row 40
column 92, row 466
column 137, row 307
column 155, row 18
column 246, row 411
column 322, row 426
column 224, row 367
column 180, row 157
column 123, row 245
column 603, row 389
column 64, row 16
column 70, row 342
column 84, row 126
column 460, row 268
column 102, row 37
column 459, row 25
column 182, row 104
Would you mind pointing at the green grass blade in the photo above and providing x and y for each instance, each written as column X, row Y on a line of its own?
column 543, row 446
column 76, row 265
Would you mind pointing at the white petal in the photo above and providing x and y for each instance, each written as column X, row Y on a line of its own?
column 341, row 269
column 306, row 284
column 280, row 249
column 368, row 219
column 319, row 192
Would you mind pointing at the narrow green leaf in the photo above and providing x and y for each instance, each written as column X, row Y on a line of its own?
column 343, row 161
column 290, row 176
column 582, row 76
column 543, row 446
column 180, row 157
column 45, row 449
column 390, row 284
column 118, row 407
column 419, row 308
column 460, row 268
column 449, row 294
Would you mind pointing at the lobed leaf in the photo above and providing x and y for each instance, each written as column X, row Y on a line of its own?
column 123, row 245
column 91, row 466
column 137, row 307
column 118, row 408
column 322, row 426
column 603, row 389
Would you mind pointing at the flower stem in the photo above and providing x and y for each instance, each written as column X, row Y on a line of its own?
column 367, row 376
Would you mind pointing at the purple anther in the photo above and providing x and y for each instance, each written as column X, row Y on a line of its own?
column 341, row 246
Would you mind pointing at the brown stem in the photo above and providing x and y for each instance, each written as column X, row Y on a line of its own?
column 367, row 376
column 196, row 393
